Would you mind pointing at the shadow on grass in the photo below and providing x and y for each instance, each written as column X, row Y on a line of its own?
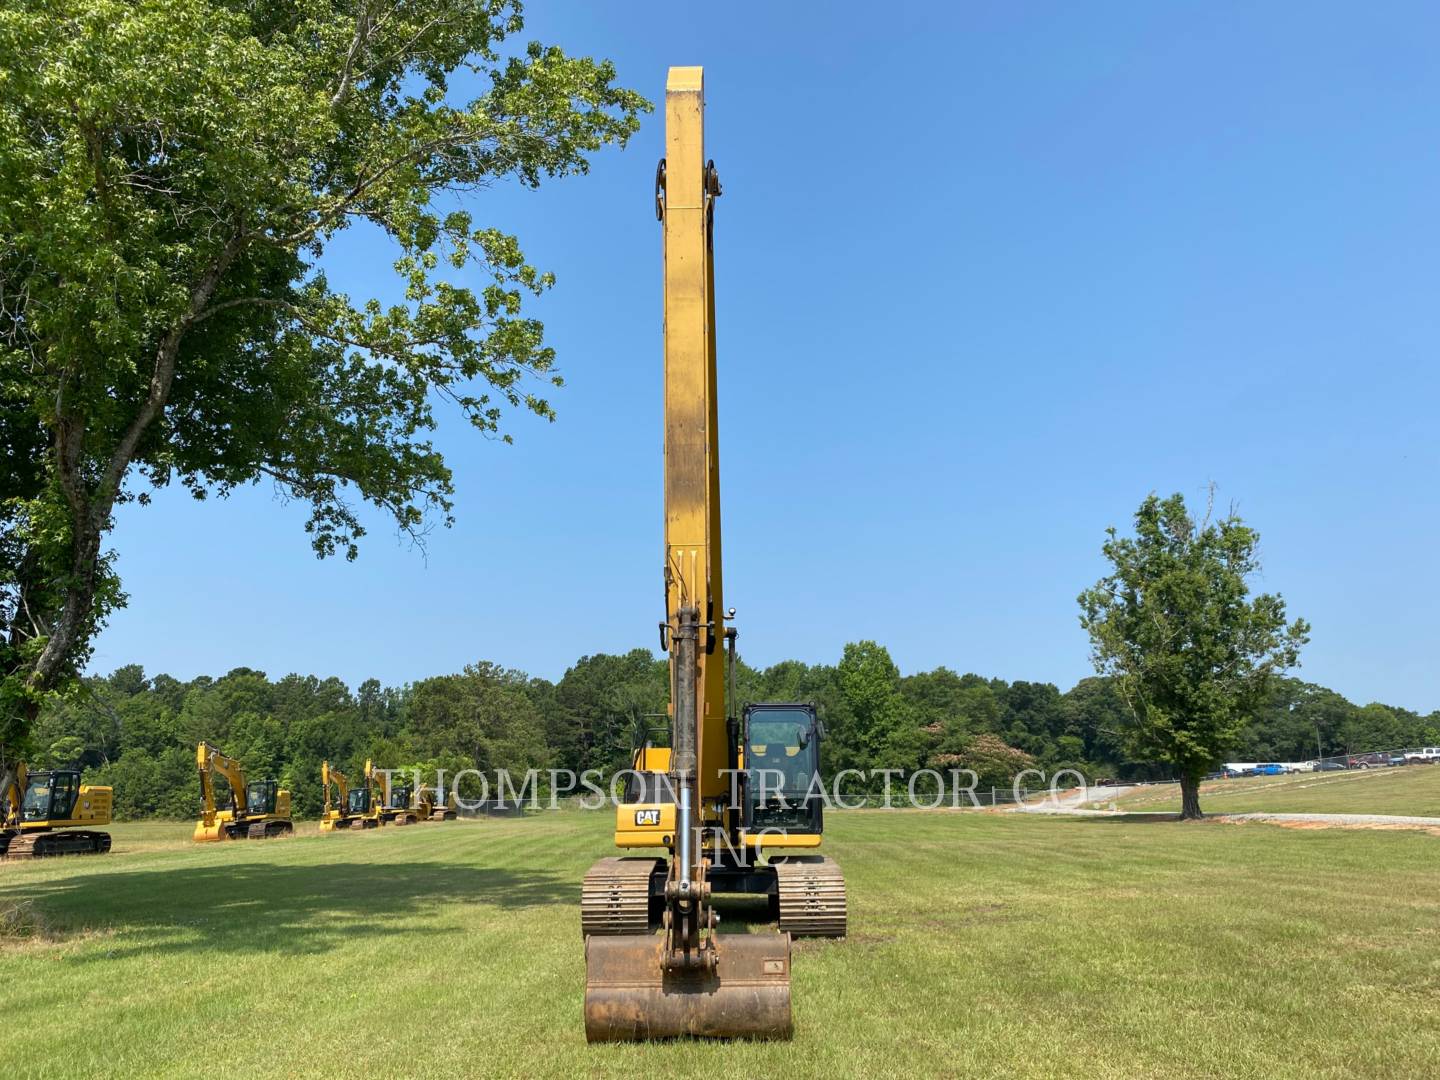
column 260, row 907
column 1139, row 818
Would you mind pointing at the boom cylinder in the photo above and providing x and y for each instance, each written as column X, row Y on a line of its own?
column 682, row 742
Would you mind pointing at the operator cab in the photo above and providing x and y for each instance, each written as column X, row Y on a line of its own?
column 359, row 801
column 400, row 797
column 260, row 796
column 50, row 796
column 782, row 763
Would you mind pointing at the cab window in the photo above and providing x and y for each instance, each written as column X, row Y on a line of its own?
column 782, row 741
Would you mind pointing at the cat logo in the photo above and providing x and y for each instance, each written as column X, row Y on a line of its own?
column 647, row 817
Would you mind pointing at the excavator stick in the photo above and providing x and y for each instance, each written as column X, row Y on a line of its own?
column 629, row 995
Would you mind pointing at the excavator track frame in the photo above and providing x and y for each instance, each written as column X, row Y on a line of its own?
column 39, row 845
column 622, row 896
column 811, row 896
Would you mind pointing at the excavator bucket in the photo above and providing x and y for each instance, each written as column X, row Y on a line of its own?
column 205, row 833
column 629, row 997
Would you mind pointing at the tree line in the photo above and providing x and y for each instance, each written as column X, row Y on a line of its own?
column 138, row 733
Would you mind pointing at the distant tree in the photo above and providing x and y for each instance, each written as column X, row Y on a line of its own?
column 1033, row 717
column 482, row 715
column 1191, row 651
column 994, row 762
column 169, row 175
column 875, row 727
column 1096, row 714
column 1298, row 721
column 1372, row 727
column 597, row 704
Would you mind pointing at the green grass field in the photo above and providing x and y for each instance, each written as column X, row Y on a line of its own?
column 981, row 944
column 1412, row 790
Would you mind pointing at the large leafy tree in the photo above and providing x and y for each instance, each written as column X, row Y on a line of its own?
column 873, row 724
column 482, row 716
column 171, row 172
column 1192, row 652
column 602, row 703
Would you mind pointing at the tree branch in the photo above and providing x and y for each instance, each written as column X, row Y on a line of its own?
column 358, row 42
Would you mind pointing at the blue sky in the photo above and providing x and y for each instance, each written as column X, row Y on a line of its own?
column 987, row 275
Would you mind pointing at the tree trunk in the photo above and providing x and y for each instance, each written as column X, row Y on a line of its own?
column 1190, row 797
column 66, row 629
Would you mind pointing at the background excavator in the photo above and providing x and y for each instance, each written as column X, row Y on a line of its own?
column 733, row 801
column 393, row 806
column 258, row 810
column 427, row 804
column 48, row 812
column 362, row 803
column 352, row 807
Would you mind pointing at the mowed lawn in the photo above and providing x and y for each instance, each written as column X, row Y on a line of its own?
column 981, row 944
column 1407, row 790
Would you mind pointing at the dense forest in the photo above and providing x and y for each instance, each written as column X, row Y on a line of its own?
column 139, row 733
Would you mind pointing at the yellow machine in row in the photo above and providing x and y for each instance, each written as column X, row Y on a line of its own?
column 733, row 799
column 392, row 801
column 429, row 806
column 369, row 805
column 257, row 810
column 352, row 808
column 48, row 812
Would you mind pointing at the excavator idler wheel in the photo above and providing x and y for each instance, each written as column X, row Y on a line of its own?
column 629, row 997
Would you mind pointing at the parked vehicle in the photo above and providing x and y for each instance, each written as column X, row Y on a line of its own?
column 1426, row 755
column 1370, row 761
column 1269, row 769
column 1331, row 765
column 1399, row 759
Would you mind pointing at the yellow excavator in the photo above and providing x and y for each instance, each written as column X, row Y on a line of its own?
column 48, row 812
column 428, row 806
column 393, row 806
column 257, row 810
column 734, row 801
column 352, row 808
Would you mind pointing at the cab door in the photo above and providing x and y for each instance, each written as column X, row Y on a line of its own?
column 64, row 790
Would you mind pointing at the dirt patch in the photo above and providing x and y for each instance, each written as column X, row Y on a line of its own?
column 1374, row 826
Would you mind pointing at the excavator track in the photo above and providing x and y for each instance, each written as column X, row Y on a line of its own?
column 43, row 845
column 812, row 897
column 262, row 830
column 615, row 896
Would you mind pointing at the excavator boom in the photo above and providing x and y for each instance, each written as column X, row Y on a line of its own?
column 689, row 979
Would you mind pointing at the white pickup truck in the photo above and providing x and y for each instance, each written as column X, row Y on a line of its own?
column 1426, row 755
